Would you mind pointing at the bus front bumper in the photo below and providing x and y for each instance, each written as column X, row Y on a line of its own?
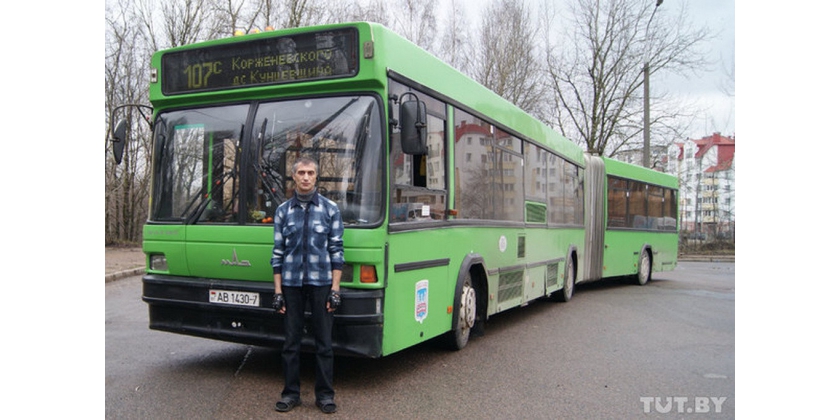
column 182, row 305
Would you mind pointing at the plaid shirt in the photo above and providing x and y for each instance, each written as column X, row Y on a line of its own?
column 308, row 242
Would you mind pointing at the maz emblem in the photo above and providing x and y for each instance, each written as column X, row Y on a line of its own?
column 235, row 261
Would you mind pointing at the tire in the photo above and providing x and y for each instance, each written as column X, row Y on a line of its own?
column 465, row 316
column 644, row 268
column 569, row 276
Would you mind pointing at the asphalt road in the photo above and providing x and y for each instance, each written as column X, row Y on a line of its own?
column 616, row 351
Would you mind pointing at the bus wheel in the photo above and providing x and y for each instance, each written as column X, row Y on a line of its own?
column 568, row 282
column 460, row 335
column 644, row 268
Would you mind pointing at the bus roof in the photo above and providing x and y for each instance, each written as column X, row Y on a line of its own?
column 630, row 171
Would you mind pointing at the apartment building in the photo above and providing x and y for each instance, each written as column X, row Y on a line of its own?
column 706, row 168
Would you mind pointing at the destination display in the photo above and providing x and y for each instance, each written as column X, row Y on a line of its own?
column 264, row 61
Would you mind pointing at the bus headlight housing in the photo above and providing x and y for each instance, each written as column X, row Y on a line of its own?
column 158, row 262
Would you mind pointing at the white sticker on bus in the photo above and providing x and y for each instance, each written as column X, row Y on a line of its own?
column 502, row 243
column 421, row 300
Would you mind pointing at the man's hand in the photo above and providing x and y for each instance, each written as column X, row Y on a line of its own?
column 333, row 301
column 279, row 303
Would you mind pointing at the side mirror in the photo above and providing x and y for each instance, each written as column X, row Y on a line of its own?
column 119, row 140
column 413, row 127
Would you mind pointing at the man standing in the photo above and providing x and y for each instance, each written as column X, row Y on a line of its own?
column 307, row 259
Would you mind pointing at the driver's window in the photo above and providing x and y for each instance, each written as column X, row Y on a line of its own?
column 419, row 181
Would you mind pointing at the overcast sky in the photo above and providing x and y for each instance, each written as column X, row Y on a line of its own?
column 705, row 90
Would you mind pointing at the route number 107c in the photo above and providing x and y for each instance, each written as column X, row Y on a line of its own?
column 198, row 74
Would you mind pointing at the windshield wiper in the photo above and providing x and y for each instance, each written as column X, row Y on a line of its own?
column 195, row 212
column 264, row 172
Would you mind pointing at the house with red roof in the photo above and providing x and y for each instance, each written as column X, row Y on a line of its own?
column 706, row 168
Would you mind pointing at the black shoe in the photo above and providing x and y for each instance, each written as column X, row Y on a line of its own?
column 327, row 406
column 286, row 404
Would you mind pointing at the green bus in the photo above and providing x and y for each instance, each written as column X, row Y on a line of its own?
column 457, row 205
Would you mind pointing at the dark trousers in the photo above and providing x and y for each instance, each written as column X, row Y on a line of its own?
column 297, row 299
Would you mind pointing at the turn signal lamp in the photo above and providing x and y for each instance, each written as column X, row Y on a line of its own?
column 367, row 274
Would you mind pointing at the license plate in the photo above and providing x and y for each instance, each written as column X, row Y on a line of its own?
column 232, row 297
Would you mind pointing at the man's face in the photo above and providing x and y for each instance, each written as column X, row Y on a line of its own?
column 305, row 176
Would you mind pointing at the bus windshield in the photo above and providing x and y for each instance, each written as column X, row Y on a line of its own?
column 212, row 162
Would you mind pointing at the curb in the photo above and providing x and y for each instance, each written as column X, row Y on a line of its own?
column 125, row 273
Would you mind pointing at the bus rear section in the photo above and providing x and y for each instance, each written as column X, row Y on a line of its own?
column 632, row 230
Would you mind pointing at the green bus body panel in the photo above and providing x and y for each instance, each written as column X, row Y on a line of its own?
column 622, row 247
column 167, row 240
column 622, row 251
column 242, row 252
column 401, row 330
column 543, row 247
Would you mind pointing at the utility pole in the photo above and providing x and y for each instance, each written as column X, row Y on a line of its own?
column 646, row 75
column 646, row 148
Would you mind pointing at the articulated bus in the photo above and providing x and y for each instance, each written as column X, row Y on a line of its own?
column 457, row 205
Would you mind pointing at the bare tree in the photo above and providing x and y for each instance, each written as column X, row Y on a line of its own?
column 455, row 42
column 134, row 30
column 183, row 21
column 303, row 12
column 145, row 17
column 369, row 11
column 596, row 72
column 288, row 13
column 169, row 24
column 505, row 60
column 416, row 21
column 295, row 12
column 126, row 81
column 233, row 15
column 727, row 85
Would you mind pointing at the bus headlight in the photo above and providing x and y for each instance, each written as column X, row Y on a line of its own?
column 158, row 262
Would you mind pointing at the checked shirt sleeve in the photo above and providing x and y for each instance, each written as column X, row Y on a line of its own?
column 335, row 244
column 279, row 251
